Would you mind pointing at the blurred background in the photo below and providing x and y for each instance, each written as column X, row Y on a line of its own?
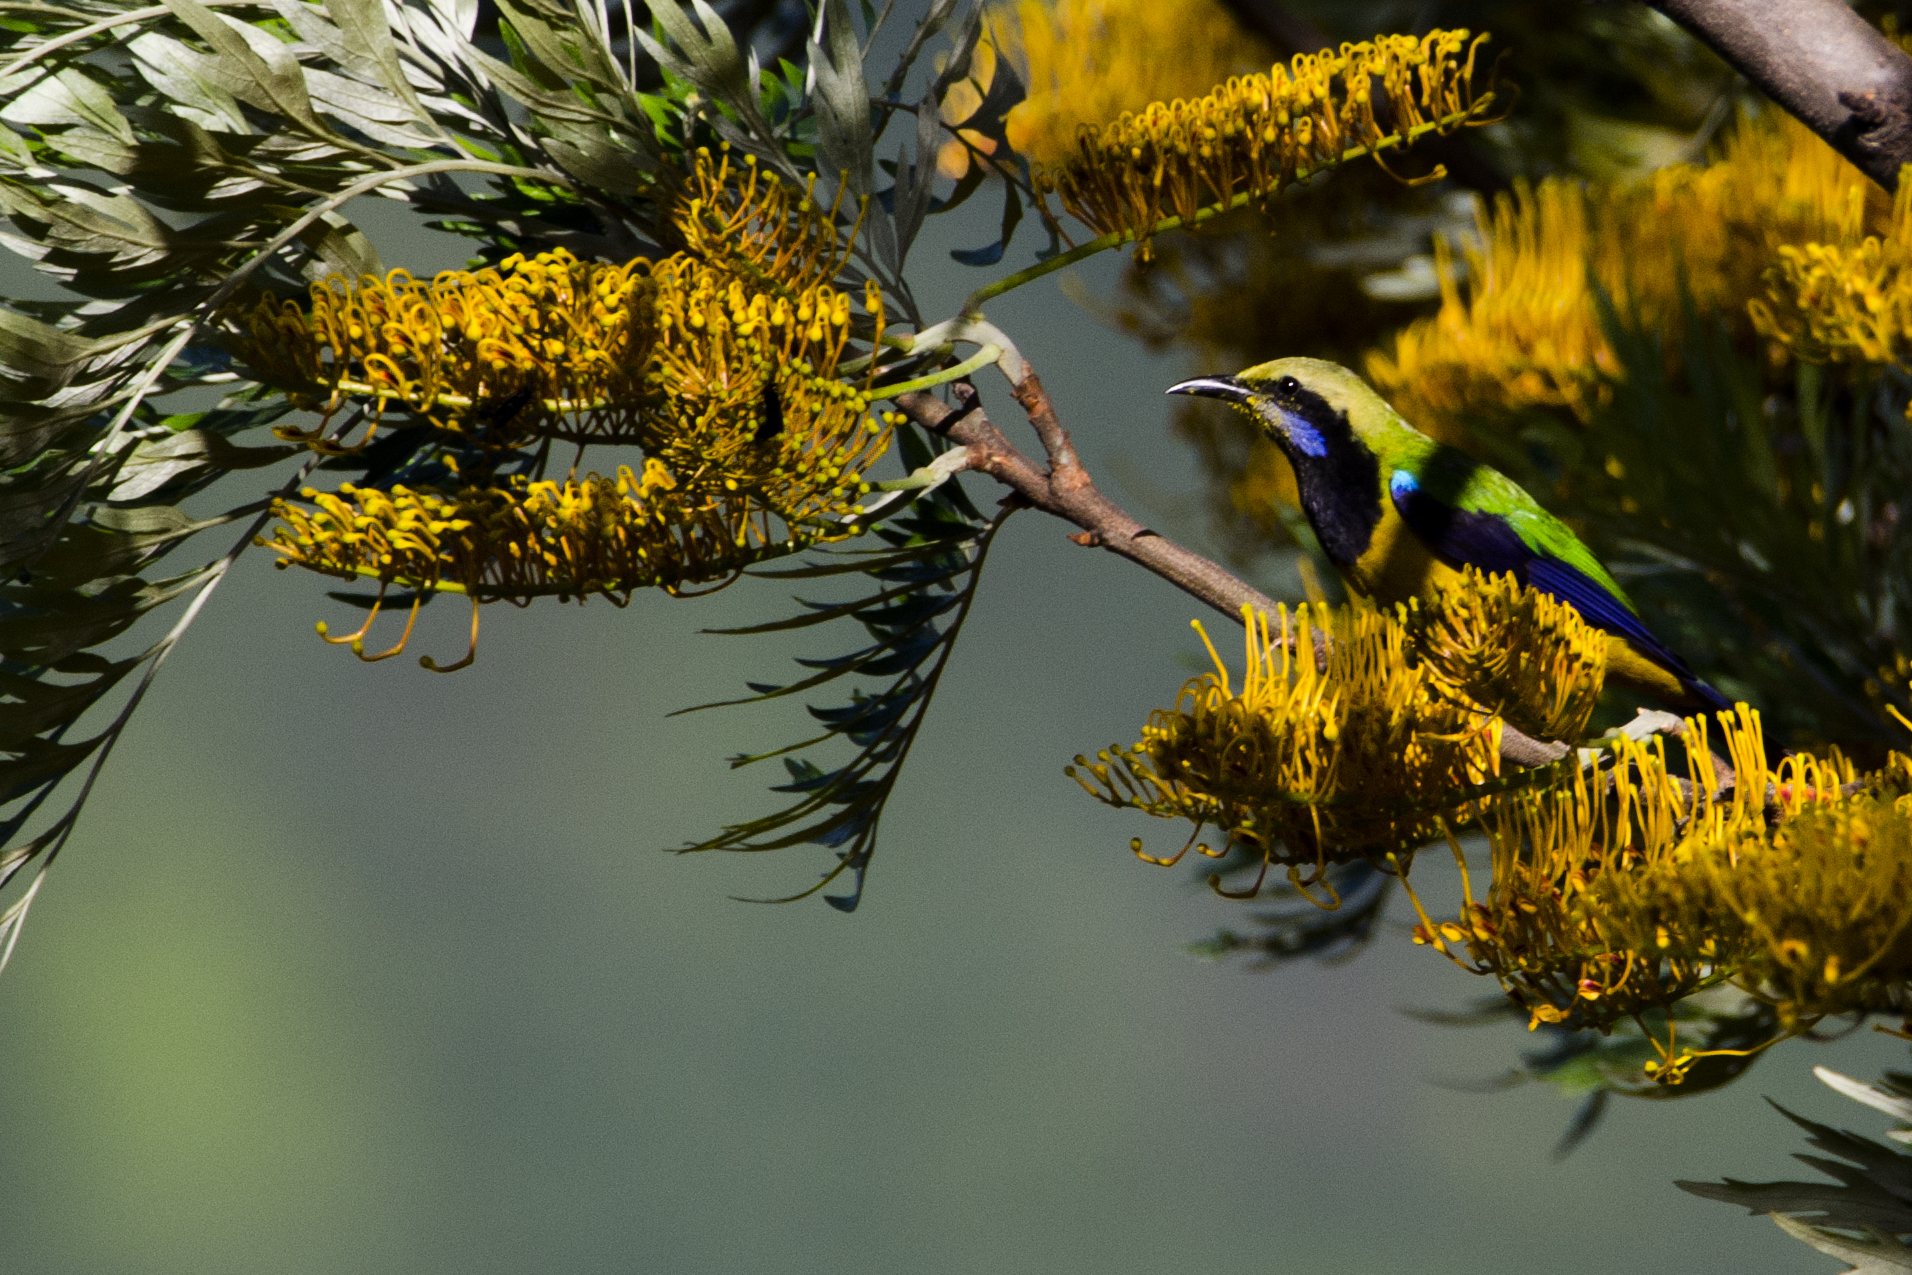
column 359, row 968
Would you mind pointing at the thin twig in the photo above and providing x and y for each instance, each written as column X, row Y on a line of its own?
column 1104, row 524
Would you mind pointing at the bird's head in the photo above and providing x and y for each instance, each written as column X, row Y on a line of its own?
column 1307, row 406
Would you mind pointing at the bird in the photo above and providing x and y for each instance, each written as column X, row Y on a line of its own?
column 1400, row 515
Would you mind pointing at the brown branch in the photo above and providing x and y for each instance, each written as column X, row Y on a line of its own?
column 1065, row 467
column 1525, row 750
column 1070, row 494
column 1823, row 63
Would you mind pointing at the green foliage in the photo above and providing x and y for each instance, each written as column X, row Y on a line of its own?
column 1302, row 928
column 926, row 577
column 1594, row 1066
column 1752, row 506
column 230, row 141
column 156, row 160
column 1864, row 1215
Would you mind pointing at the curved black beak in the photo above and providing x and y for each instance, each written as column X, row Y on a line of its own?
column 1222, row 387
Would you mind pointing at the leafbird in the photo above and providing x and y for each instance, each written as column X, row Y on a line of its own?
column 1400, row 515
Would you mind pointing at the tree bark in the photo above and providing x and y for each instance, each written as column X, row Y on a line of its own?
column 1823, row 63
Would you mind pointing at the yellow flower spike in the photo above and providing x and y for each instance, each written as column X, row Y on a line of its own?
column 1516, row 652
column 702, row 509
column 684, row 370
column 1252, row 135
column 761, row 229
column 449, row 348
column 523, row 539
column 1308, row 764
column 1626, row 891
column 1524, row 329
column 1844, row 302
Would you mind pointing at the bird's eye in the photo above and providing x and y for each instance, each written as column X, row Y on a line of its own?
column 1287, row 385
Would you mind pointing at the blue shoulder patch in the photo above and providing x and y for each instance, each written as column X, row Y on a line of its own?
column 1459, row 536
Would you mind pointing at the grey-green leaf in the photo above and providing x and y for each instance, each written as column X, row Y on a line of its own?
column 845, row 142
column 1878, row 1255
column 256, row 68
column 710, row 58
column 69, row 97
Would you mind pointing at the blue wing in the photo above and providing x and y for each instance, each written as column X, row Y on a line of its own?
column 1490, row 543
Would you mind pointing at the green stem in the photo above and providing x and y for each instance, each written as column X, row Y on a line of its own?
column 1116, row 238
column 975, row 362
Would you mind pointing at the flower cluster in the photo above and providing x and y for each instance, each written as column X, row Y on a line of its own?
column 1625, row 878
column 1087, row 61
column 1525, row 329
column 1253, row 135
column 720, row 363
column 743, row 395
column 750, row 221
column 561, row 337
column 1629, row 888
column 1844, row 302
column 520, row 539
column 1517, row 653
column 754, row 450
column 1354, row 755
column 1558, row 853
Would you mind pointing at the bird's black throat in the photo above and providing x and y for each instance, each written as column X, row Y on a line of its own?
column 1340, row 489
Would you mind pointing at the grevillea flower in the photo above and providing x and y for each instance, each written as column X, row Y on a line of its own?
column 1518, row 653
column 1844, row 302
column 569, row 340
column 588, row 353
column 521, row 539
column 1821, row 905
column 1543, row 930
column 1253, row 135
column 724, row 355
column 766, row 231
column 722, row 369
column 754, row 450
column 1308, row 763
column 1525, row 330
column 1629, row 888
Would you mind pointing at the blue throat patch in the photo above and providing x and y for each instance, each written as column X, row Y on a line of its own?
column 1302, row 435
